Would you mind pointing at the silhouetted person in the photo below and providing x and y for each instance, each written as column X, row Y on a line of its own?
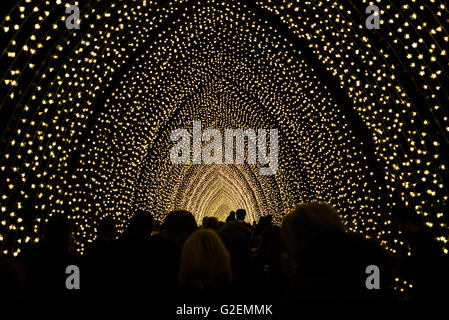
column 98, row 260
column 231, row 216
column 105, row 235
column 205, row 272
column 268, row 264
column 133, row 257
column 427, row 266
column 240, row 215
column 263, row 223
column 177, row 227
column 211, row 223
column 239, row 240
column 324, row 261
column 140, row 227
column 12, row 280
column 46, row 262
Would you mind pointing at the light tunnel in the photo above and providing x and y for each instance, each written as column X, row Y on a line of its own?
column 87, row 113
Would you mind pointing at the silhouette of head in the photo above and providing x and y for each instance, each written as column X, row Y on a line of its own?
column 141, row 224
column 210, row 222
column 178, row 225
column 231, row 216
column 237, row 237
column 240, row 214
column 107, row 229
column 205, row 261
column 269, row 218
column 57, row 233
column 264, row 222
column 270, row 247
column 306, row 224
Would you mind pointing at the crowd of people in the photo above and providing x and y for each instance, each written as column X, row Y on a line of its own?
column 310, row 256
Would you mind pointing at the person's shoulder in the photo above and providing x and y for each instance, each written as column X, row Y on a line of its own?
column 249, row 226
column 243, row 225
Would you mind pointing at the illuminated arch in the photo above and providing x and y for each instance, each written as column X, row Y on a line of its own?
column 87, row 113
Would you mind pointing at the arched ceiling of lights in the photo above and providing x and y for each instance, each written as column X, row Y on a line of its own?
column 87, row 114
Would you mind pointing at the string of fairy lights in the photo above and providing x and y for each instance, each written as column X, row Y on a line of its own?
column 164, row 82
column 88, row 113
column 384, row 105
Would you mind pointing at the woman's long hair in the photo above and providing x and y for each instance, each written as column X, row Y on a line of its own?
column 205, row 261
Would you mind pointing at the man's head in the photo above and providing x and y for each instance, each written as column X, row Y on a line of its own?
column 178, row 225
column 107, row 229
column 240, row 214
column 58, row 233
column 307, row 223
column 231, row 216
column 141, row 224
column 210, row 223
